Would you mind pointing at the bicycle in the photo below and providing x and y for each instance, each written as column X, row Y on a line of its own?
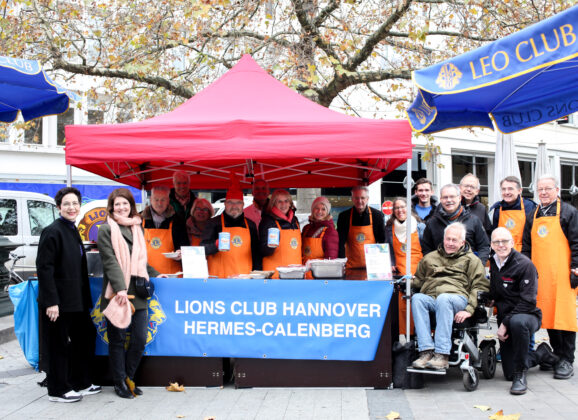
column 13, row 276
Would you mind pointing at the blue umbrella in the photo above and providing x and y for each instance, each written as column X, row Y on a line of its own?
column 520, row 81
column 25, row 87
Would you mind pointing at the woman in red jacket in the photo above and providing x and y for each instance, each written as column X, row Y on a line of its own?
column 319, row 238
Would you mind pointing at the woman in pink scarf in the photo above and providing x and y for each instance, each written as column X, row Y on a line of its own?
column 123, row 252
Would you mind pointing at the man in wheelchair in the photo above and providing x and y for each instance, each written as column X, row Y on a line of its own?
column 448, row 280
column 513, row 287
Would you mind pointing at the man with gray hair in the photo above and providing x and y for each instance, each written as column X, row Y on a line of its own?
column 358, row 226
column 451, row 211
column 551, row 241
column 448, row 280
column 470, row 190
column 163, row 232
column 181, row 198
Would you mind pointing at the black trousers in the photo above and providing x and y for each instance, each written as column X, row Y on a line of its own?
column 515, row 353
column 70, row 342
column 563, row 343
column 123, row 364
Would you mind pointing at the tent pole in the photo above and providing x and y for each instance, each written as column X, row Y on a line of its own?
column 143, row 197
column 408, row 227
column 68, row 176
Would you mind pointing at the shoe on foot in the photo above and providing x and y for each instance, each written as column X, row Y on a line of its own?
column 69, row 397
column 122, row 390
column 91, row 390
column 424, row 357
column 563, row 370
column 519, row 384
column 439, row 361
column 546, row 356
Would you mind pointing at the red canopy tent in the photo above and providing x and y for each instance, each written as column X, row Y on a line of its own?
column 248, row 123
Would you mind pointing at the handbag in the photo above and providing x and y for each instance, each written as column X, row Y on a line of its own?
column 144, row 288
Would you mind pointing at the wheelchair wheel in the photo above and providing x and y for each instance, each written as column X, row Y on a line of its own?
column 471, row 384
column 488, row 359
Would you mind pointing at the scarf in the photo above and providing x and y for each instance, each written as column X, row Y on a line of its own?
column 134, row 263
column 288, row 217
column 401, row 231
column 454, row 215
column 192, row 228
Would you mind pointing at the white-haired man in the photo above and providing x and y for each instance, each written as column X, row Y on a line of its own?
column 448, row 280
column 551, row 241
column 181, row 197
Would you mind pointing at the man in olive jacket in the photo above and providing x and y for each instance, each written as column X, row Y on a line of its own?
column 449, row 280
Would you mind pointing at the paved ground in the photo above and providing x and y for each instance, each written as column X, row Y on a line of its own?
column 443, row 397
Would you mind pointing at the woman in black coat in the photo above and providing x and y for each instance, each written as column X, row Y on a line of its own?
column 64, row 304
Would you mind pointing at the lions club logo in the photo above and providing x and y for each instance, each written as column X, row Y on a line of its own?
column 448, row 77
column 156, row 243
column 88, row 225
column 510, row 224
column 360, row 237
column 156, row 317
column 307, row 250
column 293, row 243
column 237, row 241
column 542, row 231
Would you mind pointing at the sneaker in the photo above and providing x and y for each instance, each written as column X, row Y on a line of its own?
column 439, row 361
column 69, row 397
column 91, row 390
column 424, row 357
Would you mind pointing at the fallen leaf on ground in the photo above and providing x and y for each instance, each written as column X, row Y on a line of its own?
column 392, row 416
column 483, row 407
column 490, row 336
column 210, row 418
column 1, row 357
column 500, row 416
column 175, row 387
column 180, row 416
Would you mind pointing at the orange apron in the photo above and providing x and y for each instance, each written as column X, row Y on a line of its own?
column 399, row 249
column 288, row 251
column 195, row 240
column 552, row 257
column 313, row 247
column 159, row 241
column 357, row 237
column 238, row 259
column 514, row 221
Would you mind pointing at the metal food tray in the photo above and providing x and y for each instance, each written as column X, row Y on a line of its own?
column 328, row 269
column 292, row 272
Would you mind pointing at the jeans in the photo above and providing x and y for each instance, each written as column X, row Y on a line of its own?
column 445, row 306
column 123, row 363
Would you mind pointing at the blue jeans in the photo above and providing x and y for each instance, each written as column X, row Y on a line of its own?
column 445, row 306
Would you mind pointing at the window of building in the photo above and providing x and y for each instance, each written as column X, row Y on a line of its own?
column 4, row 133
column 526, row 173
column 33, row 132
column 95, row 116
column 63, row 120
column 472, row 164
column 569, row 183
column 393, row 183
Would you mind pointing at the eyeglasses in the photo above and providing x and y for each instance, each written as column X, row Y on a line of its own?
column 73, row 204
column 547, row 189
column 449, row 197
column 469, row 187
column 502, row 242
column 399, row 208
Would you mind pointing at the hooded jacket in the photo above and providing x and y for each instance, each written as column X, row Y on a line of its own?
column 460, row 273
column 434, row 204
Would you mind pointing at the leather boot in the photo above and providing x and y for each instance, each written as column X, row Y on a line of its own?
column 519, row 384
column 122, row 390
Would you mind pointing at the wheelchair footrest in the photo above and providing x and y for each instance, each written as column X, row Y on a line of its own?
column 427, row 371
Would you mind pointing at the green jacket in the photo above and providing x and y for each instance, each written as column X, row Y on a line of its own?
column 111, row 269
column 461, row 273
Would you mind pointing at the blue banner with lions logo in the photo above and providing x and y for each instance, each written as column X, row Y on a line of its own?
column 277, row 319
column 520, row 81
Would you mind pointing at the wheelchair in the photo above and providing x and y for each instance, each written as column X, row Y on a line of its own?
column 471, row 357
